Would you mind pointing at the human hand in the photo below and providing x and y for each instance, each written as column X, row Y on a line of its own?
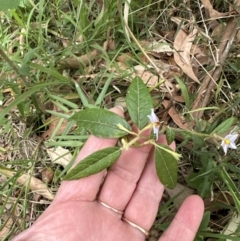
column 81, row 212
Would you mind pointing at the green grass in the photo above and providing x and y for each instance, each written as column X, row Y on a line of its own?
column 35, row 85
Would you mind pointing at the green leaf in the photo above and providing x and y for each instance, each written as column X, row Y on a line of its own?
column 5, row 5
column 94, row 163
column 170, row 135
column 101, row 123
column 139, row 102
column 205, row 221
column 224, row 126
column 166, row 166
column 51, row 71
column 198, row 142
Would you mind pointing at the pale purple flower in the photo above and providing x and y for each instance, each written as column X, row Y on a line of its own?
column 155, row 122
column 229, row 142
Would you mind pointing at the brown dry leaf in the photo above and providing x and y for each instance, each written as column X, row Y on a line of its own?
column 151, row 79
column 111, row 44
column 124, row 58
column 66, row 42
column 212, row 12
column 117, row 68
column 182, row 191
column 148, row 78
column 6, row 229
column 76, row 62
column 121, row 66
column 176, row 98
column 168, row 87
column 175, row 116
column 172, row 72
column 47, row 175
column 218, row 30
column 182, row 45
column 79, row 39
column 35, row 184
column 60, row 155
column 157, row 47
column 201, row 57
column 105, row 45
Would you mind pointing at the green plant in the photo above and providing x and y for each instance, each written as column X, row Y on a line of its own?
column 103, row 123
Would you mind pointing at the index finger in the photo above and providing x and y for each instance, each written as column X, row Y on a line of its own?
column 88, row 187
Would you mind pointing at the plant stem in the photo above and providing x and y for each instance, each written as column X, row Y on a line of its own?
column 137, row 138
column 5, row 57
column 12, row 65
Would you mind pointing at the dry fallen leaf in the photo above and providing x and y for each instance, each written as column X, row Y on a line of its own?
column 60, row 155
column 233, row 226
column 212, row 12
column 35, row 184
column 201, row 57
column 183, row 44
column 124, row 58
column 47, row 175
column 148, row 78
column 77, row 62
column 178, row 120
column 157, row 47
column 6, row 229
column 218, row 30
column 111, row 44
column 9, row 215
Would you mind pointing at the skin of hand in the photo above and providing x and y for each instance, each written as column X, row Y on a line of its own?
column 130, row 185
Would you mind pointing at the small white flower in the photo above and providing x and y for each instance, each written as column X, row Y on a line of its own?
column 229, row 142
column 155, row 122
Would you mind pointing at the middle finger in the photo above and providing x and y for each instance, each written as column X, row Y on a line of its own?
column 123, row 176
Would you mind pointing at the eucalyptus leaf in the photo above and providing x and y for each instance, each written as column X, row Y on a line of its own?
column 94, row 163
column 101, row 123
column 166, row 166
column 139, row 102
column 170, row 135
column 224, row 126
